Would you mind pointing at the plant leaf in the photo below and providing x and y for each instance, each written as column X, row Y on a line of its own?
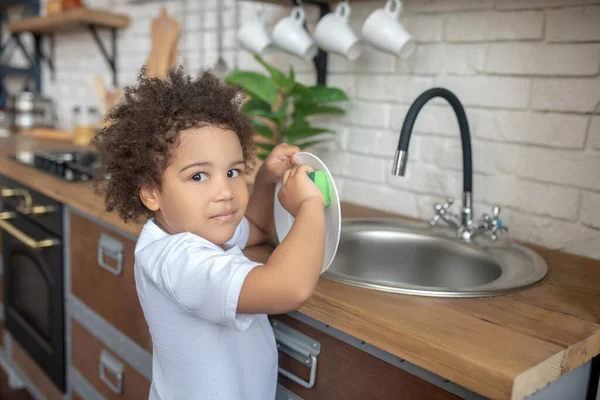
column 299, row 123
column 297, row 133
column 303, row 110
column 278, row 76
column 292, row 73
column 256, row 107
column 304, row 145
column 266, row 147
column 299, row 90
column 262, row 129
column 255, row 84
column 323, row 94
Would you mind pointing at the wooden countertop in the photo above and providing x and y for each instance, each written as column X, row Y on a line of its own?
column 502, row 347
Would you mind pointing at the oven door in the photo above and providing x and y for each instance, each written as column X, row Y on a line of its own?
column 33, row 293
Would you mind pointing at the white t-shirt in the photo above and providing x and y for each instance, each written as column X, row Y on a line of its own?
column 202, row 349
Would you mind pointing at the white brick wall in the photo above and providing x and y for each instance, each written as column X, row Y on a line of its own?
column 527, row 72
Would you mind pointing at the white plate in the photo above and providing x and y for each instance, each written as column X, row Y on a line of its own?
column 333, row 213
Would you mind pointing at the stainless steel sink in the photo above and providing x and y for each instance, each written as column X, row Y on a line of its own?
column 416, row 258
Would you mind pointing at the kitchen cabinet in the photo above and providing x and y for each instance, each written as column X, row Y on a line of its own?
column 102, row 277
column 346, row 372
column 110, row 375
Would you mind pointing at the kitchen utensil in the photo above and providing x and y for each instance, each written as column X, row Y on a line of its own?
column 86, row 125
column 254, row 35
column 333, row 212
column 383, row 31
column 164, row 31
column 333, row 33
column 108, row 98
column 289, row 35
column 220, row 69
column 29, row 110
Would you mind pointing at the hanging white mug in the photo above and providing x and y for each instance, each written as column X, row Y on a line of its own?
column 333, row 33
column 254, row 36
column 382, row 30
column 289, row 35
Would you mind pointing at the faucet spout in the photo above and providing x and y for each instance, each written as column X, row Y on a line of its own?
column 401, row 157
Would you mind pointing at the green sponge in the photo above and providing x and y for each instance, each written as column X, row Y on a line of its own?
column 320, row 179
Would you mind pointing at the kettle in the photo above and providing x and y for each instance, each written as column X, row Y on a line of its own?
column 31, row 110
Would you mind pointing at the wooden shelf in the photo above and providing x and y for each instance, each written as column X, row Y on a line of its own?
column 330, row 2
column 70, row 20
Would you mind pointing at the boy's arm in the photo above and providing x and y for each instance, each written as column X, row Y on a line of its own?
column 289, row 277
column 260, row 211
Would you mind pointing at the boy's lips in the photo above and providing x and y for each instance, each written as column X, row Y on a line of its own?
column 224, row 216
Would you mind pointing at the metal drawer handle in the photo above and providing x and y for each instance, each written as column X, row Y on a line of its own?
column 26, row 239
column 300, row 347
column 115, row 368
column 7, row 192
column 112, row 248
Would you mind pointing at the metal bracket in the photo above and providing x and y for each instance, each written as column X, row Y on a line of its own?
column 33, row 70
column 113, row 248
column 300, row 347
column 115, row 368
column 320, row 60
column 110, row 59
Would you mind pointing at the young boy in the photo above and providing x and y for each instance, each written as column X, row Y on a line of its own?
column 177, row 151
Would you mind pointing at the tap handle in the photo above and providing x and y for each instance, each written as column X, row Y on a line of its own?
column 441, row 212
column 496, row 211
column 442, row 208
column 496, row 223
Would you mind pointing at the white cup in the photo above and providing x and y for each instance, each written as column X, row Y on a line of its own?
column 333, row 33
column 382, row 30
column 289, row 35
column 254, row 36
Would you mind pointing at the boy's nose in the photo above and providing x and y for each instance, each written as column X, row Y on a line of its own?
column 225, row 191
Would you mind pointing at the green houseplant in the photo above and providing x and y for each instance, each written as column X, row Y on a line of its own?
column 279, row 106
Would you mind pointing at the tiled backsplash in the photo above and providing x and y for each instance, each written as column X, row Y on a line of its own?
column 527, row 72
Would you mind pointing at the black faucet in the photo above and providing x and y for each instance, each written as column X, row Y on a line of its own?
column 464, row 224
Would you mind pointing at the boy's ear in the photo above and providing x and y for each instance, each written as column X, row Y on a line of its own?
column 150, row 197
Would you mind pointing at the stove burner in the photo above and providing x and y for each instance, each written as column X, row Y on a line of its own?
column 73, row 166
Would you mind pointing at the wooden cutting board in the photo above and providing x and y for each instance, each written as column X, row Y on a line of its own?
column 164, row 34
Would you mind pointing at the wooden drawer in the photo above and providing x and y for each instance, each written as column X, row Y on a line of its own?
column 35, row 374
column 110, row 294
column 76, row 396
column 345, row 372
column 87, row 352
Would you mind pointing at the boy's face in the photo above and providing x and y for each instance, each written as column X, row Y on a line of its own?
column 203, row 189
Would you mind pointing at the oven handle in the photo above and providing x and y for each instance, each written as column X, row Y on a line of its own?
column 26, row 239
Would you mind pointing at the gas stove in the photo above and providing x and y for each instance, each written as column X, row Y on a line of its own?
column 72, row 166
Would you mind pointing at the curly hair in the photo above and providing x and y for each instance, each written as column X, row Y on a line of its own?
column 143, row 129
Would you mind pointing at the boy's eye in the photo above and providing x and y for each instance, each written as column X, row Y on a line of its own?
column 200, row 176
column 232, row 173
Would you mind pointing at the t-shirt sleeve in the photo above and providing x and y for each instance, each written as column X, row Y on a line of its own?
column 206, row 282
column 240, row 237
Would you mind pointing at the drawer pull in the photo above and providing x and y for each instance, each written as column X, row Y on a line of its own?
column 24, row 238
column 115, row 369
column 110, row 247
column 300, row 347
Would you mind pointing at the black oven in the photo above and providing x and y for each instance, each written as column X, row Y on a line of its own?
column 32, row 252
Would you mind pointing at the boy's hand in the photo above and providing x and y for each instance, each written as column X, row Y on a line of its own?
column 279, row 160
column 297, row 188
